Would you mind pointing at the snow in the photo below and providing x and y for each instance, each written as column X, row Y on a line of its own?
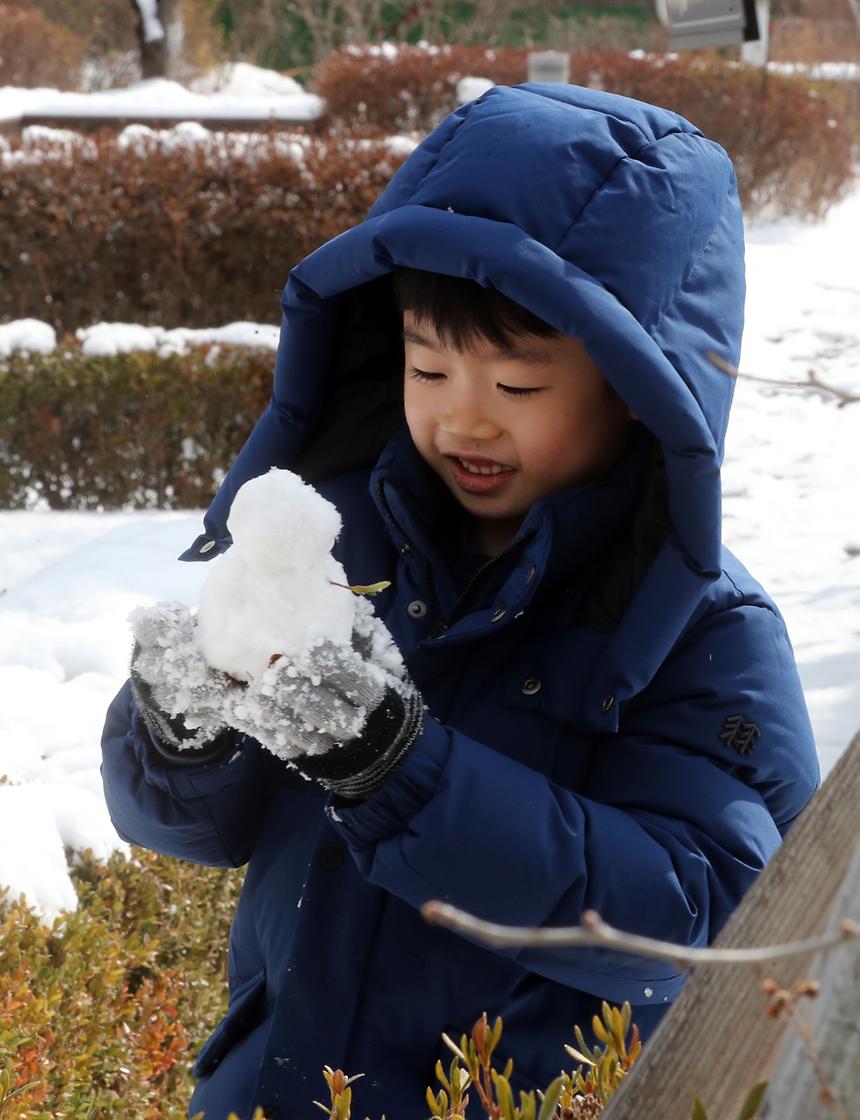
column 109, row 339
column 106, row 340
column 241, row 79
column 819, row 71
column 245, row 93
column 152, row 29
column 468, row 89
column 273, row 592
column 68, row 581
column 27, row 334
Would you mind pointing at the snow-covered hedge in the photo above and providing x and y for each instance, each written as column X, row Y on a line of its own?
column 145, row 430
column 791, row 142
column 102, row 1013
column 182, row 227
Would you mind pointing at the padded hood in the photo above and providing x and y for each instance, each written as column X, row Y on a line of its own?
column 614, row 221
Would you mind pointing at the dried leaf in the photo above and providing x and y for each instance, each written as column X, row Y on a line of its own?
column 369, row 589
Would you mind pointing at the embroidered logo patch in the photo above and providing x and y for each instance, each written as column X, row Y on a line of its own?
column 739, row 734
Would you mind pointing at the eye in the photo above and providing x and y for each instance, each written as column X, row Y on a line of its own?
column 515, row 391
column 424, row 375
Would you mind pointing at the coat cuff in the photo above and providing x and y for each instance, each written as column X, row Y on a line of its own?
column 405, row 791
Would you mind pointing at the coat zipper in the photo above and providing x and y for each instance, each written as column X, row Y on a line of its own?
column 446, row 623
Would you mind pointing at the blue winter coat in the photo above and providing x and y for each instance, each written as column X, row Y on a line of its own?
column 591, row 695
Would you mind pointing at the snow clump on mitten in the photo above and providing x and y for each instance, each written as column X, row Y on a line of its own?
column 273, row 592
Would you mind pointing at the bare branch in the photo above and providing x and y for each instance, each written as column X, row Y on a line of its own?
column 595, row 932
column 812, row 382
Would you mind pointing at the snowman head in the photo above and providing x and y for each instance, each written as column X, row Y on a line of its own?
column 278, row 521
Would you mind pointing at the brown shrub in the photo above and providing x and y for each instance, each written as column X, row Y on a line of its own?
column 107, row 30
column 36, row 52
column 408, row 88
column 100, row 1015
column 136, row 430
column 173, row 233
column 791, row 145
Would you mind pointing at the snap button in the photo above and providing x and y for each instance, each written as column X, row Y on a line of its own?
column 207, row 547
column 530, row 574
column 416, row 609
column 332, row 858
column 498, row 614
column 606, row 703
column 530, row 686
column 406, row 550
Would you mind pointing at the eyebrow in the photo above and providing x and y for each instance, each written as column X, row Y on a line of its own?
column 528, row 354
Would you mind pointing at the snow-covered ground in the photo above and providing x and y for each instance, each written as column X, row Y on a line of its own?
column 69, row 580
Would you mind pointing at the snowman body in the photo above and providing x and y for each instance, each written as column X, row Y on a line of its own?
column 273, row 592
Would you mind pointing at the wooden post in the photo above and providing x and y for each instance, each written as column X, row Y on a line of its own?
column 717, row 1041
column 795, row 1091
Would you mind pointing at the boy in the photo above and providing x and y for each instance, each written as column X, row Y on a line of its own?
column 503, row 379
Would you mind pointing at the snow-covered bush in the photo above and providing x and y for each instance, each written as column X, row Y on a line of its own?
column 102, row 1013
column 790, row 142
column 176, row 228
column 143, row 430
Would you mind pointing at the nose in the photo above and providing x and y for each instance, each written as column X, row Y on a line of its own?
column 467, row 418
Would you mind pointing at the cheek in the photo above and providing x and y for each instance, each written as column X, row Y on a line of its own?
column 553, row 434
column 418, row 414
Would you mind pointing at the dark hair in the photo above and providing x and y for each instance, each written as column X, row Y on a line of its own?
column 463, row 312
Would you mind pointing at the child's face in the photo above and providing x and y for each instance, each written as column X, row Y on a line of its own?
column 505, row 428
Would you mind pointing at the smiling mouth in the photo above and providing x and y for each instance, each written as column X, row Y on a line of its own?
column 482, row 467
column 480, row 477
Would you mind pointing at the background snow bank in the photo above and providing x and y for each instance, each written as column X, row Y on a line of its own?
column 237, row 90
column 69, row 580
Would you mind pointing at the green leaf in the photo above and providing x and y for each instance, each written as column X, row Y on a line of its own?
column 698, row 1112
column 753, row 1102
column 551, row 1098
column 504, row 1095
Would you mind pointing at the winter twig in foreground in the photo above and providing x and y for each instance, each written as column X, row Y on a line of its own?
column 812, row 382
column 595, row 932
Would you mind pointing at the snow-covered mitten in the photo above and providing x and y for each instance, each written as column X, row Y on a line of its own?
column 182, row 700
column 342, row 715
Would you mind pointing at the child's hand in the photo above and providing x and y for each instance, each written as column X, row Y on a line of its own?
column 183, row 700
column 344, row 716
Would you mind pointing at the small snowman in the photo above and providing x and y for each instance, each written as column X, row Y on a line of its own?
column 278, row 590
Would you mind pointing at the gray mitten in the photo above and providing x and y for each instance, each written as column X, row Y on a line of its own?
column 344, row 716
column 183, row 701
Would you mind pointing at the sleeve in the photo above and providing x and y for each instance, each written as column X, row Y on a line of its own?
column 670, row 830
column 208, row 813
